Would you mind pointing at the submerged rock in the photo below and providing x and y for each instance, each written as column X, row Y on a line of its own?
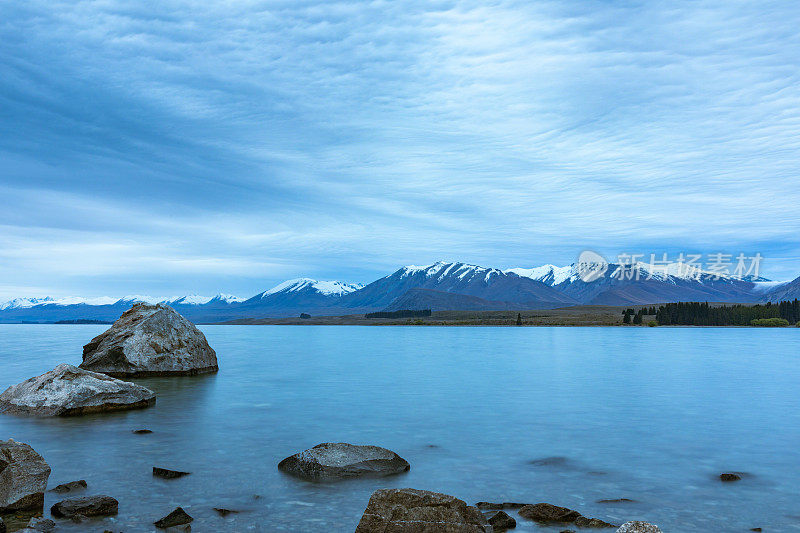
column 546, row 512
column 730, row 476
column 413, row 511
column 224, row 512
column 175, row 518
column 500, row 521
column 69, row 487
column 68, row 391
column 338, row 460
column 638, row 527
column 87, row 506
column 39, row 525
column 168, row 474
column 150, row 340
column 489, row 506
column 142, row 431
column 23, row 477
column 582, row 521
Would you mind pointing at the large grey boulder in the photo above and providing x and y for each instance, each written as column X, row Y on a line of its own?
column 68, row 390
column 420, row 511
column 638, row 527
column 23, row 477
column 150, row 340
column 331, row 461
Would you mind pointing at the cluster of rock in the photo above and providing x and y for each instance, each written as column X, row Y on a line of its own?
column 147, row 340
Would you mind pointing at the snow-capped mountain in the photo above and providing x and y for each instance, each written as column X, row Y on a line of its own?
column 326, row 288
column 439, row 286
column 489, row 284
column 643, row 283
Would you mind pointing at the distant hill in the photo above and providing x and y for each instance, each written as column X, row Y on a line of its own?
column 448, row 286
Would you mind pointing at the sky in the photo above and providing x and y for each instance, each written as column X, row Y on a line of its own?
column 179, row 147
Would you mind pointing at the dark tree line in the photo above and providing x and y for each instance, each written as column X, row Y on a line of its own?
column 637, row 317
column 702, row 314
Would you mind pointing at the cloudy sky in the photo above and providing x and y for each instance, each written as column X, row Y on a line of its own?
column 172, row 147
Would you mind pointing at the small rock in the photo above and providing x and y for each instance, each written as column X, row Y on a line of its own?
column 545, row 512
column 142, row 431
column 411, row 510
column 567, row 531
column 150, row 340
column 168, row 474
column 638, row 527
column 87, row 506
column 729, row 476
column 755, row 529
column 500, row 521
column 175, row 518
column 489, row 506
column 617, row 500
column 39, row 525
column 23, row 477
column 69, row 487
column 224, row 512
column 582, row 521
column 338, row 460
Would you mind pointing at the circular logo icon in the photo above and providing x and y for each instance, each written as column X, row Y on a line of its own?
column 591, row 266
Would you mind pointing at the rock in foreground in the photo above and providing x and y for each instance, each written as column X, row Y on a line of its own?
column 150, row 340
column 68, row 390
column 88, row 506
column 23, row 477
column 331, row 461
column 638, row 527
column 70, row 487
column 549, row 513
column 175, row 518
column 501, row 521
column 420, row 511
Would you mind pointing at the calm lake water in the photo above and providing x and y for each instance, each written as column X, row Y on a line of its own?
column 561, row 415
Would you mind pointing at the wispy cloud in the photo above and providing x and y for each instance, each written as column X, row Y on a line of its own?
column 195, row 147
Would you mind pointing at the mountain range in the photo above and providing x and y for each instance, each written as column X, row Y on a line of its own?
column 439, row 286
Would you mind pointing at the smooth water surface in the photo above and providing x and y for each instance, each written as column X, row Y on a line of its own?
column 561, row 415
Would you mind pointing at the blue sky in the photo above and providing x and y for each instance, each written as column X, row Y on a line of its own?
column 173, row 147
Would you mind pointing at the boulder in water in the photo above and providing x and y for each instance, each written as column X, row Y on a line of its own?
column 68, row 391
column 638, row 527
column 175, row 518
column 69, row 487
column 39, row 525
column 730, row 476
column 87, row 506
column 150, row 340
column 546, row 512
column 501, row 521
column 167, row 473
column 23, row 477
column 338, row 460
column 413, row 511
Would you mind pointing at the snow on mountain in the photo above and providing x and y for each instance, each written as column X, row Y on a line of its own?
column 226, row 298
column 327, row 288
column 444, row 269
column 25, row 303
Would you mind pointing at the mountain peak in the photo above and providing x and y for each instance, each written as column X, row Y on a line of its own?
column 327, row 288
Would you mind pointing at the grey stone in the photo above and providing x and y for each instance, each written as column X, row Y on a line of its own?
column 150, row 340
column 175, row 518
column 338, row 460
column 546, row 512
column 420, row 511
column 87, row 506
column 68, row 391
column 23, row 477
column 168, row 474
column 501, row 521
column 638, row 527
column 69, row 487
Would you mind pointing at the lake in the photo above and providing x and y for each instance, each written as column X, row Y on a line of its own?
column 567, row 416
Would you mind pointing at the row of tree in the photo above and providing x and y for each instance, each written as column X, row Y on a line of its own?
column 637, row 317
column 703, row 314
